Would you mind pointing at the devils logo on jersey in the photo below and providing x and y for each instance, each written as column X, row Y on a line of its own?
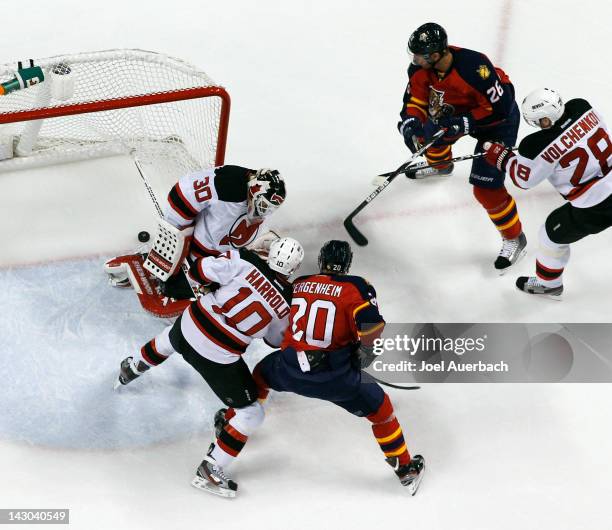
column 241, row 233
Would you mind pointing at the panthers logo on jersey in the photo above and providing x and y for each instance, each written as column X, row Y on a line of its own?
column 437, row 107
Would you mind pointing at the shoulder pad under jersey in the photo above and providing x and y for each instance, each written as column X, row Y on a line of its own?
column 231, row 183
column 413, row 69
column 532, row 145
column 262, row 266
column 366, row 290
column 474, row 67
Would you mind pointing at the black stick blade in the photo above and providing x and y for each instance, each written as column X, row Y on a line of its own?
column 355, row 234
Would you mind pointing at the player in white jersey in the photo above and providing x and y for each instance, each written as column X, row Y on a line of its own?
column 573, row 150
column 226, row 206
column 251, row 300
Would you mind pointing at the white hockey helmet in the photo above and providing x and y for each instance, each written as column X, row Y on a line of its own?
column 542, row 103
column 286, row 255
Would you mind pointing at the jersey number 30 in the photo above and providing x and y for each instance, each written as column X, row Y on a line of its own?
column 313, row 324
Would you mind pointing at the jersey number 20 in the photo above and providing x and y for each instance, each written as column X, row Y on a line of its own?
column 313, row 323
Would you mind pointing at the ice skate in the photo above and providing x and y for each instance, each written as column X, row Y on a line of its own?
column 128, row 372
column 219, row 421
column 424, row 170
column 511, row 252
column 211, row 478
column 410, row 474
column 532, row 285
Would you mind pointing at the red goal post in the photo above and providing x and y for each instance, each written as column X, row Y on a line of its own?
column 166, row 112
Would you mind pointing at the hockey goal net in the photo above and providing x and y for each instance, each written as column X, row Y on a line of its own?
column 161, row 110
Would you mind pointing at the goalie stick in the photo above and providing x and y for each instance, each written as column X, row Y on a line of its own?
column 184, row 267
column 357, row 236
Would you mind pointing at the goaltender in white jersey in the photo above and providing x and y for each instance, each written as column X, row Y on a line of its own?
column 573, row 150
column 227, row 206
column 210, row 212
column 250, row 298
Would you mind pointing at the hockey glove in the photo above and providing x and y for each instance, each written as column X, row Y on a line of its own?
column 365, row 356
column 431, row 128
column 497, row 155
column 412, row 131
column 456, row 127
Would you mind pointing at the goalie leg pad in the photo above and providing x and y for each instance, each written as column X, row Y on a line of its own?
column 146, row 286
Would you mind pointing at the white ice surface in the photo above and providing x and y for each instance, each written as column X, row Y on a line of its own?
column 316, row 87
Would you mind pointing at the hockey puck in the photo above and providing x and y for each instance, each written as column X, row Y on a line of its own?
column 143, row 236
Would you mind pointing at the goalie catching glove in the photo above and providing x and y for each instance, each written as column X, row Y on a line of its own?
column 169, row 250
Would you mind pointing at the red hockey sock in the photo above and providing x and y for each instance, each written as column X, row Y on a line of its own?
column 439, row 154
column 502, row 210
column 388, row 432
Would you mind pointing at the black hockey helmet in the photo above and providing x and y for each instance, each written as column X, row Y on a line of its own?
column 335, row 257
column 427, row 39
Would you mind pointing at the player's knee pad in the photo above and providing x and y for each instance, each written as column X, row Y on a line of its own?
column 384, row 413
column 486, row 176
column 548, row 248
column 247, row 419
column 491, row 198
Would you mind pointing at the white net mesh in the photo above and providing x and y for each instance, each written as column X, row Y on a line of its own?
column 172, row 138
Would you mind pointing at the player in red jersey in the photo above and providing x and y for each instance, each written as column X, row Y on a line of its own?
column 461, row 91
column 333, row 322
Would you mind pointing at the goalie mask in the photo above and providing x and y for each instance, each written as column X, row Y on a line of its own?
column 265, row 194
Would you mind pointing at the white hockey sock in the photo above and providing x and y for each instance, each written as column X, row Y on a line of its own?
column 551, row 260
column 235, row 434
column 156, row 351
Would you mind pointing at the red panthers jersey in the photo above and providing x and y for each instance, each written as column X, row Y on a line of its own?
column 471, row 86
column 330, row 311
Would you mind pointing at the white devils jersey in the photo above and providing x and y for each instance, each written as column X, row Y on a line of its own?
column 251, row 302
column 216, row 201
column 575, row 155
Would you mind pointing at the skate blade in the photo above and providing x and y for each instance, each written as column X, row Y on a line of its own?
column 117, row 384
column 520, row 257
column 205, row 485
column 555, row 297
column 414, row 485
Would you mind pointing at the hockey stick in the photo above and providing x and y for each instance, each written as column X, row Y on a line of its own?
column 440, row 163
column 391, row 385
column 352, row 230
column 452, row 160
column 160, row 212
